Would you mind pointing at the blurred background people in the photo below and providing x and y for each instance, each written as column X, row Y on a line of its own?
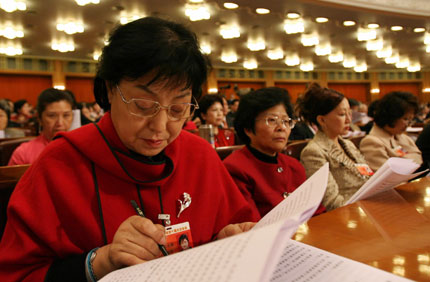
column 211, row 111
column 394, row 113
column 54, row 110
column 5, row 130
column 263, row 174
column 23, row 112
column 232, row 113
column 330, row 111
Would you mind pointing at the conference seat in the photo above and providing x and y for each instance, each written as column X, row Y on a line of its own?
column 8, row 146
column 9, row 177
column 224, row 152
column 294, row 148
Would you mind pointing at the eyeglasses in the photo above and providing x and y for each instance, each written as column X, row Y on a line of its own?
column 274, row 121
column 149, row 108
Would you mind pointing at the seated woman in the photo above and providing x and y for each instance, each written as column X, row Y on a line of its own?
column 83, row 183
column 330, row 111
column 211, row 111
column 5, row 130
column 54, row 108
column 264, row 175
column 387, row 138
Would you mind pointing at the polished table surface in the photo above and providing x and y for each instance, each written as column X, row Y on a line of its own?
column 390, row 231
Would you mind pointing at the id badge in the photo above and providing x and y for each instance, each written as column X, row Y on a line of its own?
column 400, row 152
column 364, row 169
column 178, row 237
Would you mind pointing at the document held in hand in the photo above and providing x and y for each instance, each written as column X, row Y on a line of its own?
column 265, row 253
column 393, row 172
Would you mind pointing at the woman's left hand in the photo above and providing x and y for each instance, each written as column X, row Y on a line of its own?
column 233, row 229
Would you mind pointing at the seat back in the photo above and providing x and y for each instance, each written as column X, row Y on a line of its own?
column 223, row 152
column 8, row 146
column 295, row 148
column 356, row 140
column 9, row 177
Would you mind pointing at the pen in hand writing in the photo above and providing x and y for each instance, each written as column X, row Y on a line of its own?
column 140, row 212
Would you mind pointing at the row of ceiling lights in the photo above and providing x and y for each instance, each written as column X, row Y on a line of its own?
column 292, row 24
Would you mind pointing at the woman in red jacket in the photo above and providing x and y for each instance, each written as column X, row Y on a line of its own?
column 264, row 175
column 70, row 217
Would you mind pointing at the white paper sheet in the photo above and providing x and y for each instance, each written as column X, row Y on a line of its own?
column 300, row 262
column 392, row 173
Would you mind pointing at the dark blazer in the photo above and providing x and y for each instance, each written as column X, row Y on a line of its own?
column 423, row 143
column 301, row 131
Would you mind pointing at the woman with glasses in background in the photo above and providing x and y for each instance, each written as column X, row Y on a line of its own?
column 264, row 175
column 387, row 138
column 330, row 111
column 84, row 182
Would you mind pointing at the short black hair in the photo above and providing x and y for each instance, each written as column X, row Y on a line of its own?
column 255, row 102
column 318, row 101
column 393, row 106
column 18, row 105
column 49, row 96
column 206, row 102
column 167, row 50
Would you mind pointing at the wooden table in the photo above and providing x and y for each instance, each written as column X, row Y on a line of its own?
column 390, row 231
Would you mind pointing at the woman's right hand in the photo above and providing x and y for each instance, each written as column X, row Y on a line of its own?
column 135, row 241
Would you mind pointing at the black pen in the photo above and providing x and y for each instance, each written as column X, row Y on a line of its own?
column 140, row 212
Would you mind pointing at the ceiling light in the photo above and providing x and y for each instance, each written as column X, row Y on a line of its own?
column 86, row 2
column 307, row 66
column 294, row 26
column 63, row 46
column 349, row 62
column 402, row 63
column 96, row 55
column 428, row 49
column 374, row 45
column 385, row 52
column 427, row 38
column 59, row 86
column 336, row 57
column 292, row 60
column 250, row 64
column 364, row 34
column 323, row 49
column 256, row 45
column 10, row 49
column 206, row 48
column 375, row 90
column 414, row 67
column 70, row 27
column 310, row 39
column 213, row 90
column 348, row 23
column 276, row 54
column 228, row 57
column 396, row 28
column 126, row 18
column 419, row 29
column 12, row 5
column 373, row 25
column 11, row 32
column 360, row 67
column 321, row 20
column 393, row 59
column 230, row 5
column 293, row 15
column 197, row 12
column 262, row 11
column 195, row 1
column 229, row 32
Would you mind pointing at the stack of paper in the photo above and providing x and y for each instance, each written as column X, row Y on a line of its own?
column 392, row 173
column 265, row 253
